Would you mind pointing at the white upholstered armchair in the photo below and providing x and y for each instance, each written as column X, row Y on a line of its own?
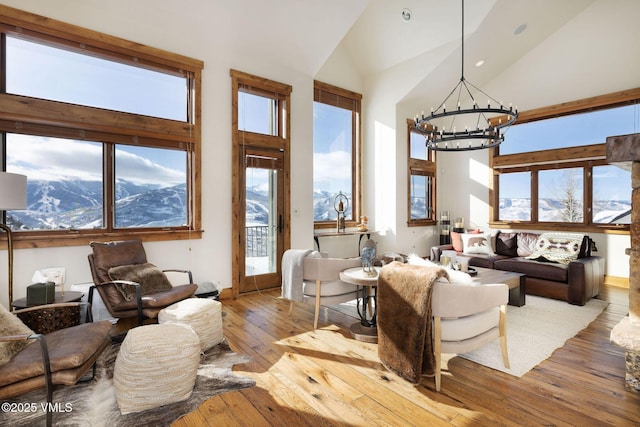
column 318, row 273
column 467, row 317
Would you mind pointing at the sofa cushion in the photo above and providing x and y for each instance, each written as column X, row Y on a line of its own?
column 527, row 243
column 484, row 261
column 536, row 269
column 69, row 349
column 507, row 244
column 557, row 247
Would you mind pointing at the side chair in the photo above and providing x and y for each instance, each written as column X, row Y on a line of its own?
column 467, row 317
column 130, row 286
column 321, row 284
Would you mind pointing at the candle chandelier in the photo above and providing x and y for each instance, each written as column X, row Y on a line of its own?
column 478, row 126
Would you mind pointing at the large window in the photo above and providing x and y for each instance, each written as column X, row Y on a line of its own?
column 107, row 134
column 552, row 170
column 422, row 169
column 336, row 153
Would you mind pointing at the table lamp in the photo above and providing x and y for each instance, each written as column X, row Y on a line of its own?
column 13, row 195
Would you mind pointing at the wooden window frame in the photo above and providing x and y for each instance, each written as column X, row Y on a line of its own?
column 21, row 114
column 421, row 167
column 343, row 98
column 585, row 157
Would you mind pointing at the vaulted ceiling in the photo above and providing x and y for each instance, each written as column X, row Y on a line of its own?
column 303, row 34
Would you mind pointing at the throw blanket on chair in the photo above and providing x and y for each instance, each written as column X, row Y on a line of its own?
column 292, row 282
column 405, row 335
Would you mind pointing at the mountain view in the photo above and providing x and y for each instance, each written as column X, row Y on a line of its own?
column 323, row 209
column 58, row 205
column 78, row 205
column 604, row 212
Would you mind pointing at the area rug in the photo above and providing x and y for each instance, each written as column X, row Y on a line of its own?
column 93, row 404
column 534, row 331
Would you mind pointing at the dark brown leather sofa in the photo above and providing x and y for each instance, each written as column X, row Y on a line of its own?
column 576, row 283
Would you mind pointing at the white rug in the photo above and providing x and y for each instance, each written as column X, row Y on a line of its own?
column 534, row 331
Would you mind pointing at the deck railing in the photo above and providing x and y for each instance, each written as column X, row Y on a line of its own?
column 257, row 238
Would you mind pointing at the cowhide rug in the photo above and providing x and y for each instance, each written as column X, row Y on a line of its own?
column 93, row 404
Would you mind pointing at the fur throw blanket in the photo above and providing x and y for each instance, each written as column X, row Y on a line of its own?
column 405, row 335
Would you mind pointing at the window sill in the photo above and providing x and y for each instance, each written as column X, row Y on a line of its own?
column 605, row 229
column 84, row 238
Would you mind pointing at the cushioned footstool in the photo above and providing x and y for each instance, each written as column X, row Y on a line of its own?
column 156, row 365
column 203, row 315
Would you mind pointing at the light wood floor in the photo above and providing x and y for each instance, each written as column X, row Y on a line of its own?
column 325, row 378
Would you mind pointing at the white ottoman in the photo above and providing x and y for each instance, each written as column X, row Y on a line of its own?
column 202, row 314
column 156, row 365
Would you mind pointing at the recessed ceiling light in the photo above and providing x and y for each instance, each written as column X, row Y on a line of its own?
column 406, row 14
column 480, row 63
column 520, row 29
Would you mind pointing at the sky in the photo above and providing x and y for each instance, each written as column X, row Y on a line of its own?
column 57, row 159
column 332, row 170
column 610, row 182
column 56, row 74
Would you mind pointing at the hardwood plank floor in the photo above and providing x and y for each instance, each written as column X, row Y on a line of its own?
column 325, row 378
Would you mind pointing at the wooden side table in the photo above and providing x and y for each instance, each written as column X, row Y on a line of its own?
column 69, row 296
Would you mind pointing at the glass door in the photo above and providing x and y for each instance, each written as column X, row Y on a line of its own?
column 263, row 219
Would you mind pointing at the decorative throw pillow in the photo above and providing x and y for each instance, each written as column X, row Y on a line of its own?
column 557, row 247
column 456, row 239
column 150, row 277
column 477, row 244
column 11, row 325
column 507, row 244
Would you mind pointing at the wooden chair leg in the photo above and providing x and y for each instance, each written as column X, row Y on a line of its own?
column 437, row 350
column 290, row 308
column 503, row 336
column 317, row 313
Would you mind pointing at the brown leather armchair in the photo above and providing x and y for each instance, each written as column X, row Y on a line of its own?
column 60, row 356
column 107, row 256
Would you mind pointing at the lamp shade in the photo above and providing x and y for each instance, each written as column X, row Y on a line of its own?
column 13, row 191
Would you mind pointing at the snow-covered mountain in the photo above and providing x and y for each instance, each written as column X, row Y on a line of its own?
column 78, row 205
column 55, row 205
column 323, row 209
column 604, row 211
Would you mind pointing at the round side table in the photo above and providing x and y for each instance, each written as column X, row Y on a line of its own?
column 366, row 329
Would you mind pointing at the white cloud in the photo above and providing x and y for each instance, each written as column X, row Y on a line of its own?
column 332, row 171
column 56, row 159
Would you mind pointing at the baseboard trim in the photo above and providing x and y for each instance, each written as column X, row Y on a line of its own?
column 227, row 293
column 618, row 282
